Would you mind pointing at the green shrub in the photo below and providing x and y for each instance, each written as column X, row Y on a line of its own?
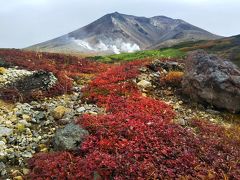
column 147, row 54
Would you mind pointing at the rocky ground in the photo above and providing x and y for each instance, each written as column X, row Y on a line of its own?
column 28, row 128
column 185, row 110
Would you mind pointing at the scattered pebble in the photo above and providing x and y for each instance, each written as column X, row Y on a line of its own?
column 28, row 128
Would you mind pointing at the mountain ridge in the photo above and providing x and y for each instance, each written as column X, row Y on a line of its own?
column 116, row 32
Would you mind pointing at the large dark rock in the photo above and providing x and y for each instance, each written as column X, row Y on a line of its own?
column 39, row 80
column 24, row 85
column 212, row 80
column 70, row 137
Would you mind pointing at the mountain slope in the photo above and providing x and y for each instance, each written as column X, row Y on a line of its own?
column 226, row 47
column 115, row 33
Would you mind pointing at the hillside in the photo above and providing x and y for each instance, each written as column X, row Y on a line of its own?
column 228, row 48
column 77, row 118
column 115, row 33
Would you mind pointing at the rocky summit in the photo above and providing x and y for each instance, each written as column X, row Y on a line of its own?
column 116, row 33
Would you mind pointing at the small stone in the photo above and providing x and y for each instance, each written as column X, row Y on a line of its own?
column 75, row 97
column 28, row 131
column 2, row 149
column 81, row 109
column 3, row 172
column 87, row 107
column 164, row 71
column 143, row 69
column 2, row 166
column 176, row 106
column 18, row 178
column 182, row 122
column 41, row 146
column 92, row 113
column 4, row 131
column 16, row 173
column 144, row 84
column 59, row 112
column 156, row 75
column 25, row 123
column 2, row 144
column 40, row 116
column 180, row 102
column 2, row 80
column 26, row 117
column 27, row 154
column 3, row 70
column 25, row 171
column 13, row 118
column 211, row 119
column 4, row 140
column 44, row 150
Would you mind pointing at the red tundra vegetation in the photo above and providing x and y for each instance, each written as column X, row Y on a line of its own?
column 64, row 67
column 136, row 139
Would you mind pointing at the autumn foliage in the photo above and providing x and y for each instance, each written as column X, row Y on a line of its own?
column 172, row 78
column 64, row 67
column 136, row 139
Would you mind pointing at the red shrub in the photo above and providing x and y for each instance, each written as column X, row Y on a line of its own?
column 115, row 81
column 64, row 67
column 137, row 140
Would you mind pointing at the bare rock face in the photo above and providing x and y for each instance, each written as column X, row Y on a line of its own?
column 116, row 32
column 210, row 79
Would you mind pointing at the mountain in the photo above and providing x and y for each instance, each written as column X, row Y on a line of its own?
column 228, row 47
column 115, row 33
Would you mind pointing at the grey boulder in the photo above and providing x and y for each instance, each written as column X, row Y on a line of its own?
column 70, row 137
column 212, row 80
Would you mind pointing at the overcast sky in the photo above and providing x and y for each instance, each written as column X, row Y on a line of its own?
column 27, row 22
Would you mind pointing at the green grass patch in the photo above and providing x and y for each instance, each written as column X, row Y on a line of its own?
column 166, row 53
